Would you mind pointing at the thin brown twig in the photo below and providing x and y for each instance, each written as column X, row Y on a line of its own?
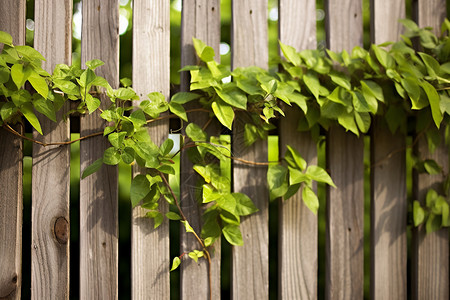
column 10, row 129
column 183, row 217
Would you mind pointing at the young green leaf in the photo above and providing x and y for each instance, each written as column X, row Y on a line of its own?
column 310, row 199
column 111, row 156
column 233, row 235
column 139, row 188
column 92, row 168
column 27, row 111
column 277, row 181
column 244, row 205
column 223, row 112
column 173, row 216
column 6, row 38
column 176, row 262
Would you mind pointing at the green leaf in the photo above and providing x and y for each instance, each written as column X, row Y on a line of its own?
column 432, row 167
column 244, row 205
column 184, row 97
column 66, row 86
column 433, row 67
column 6, row 38
column 93, row 64
column 126, row 94
column 363, row 121
column 209, row 193
column 19, row 75
column 29, row 52
column 418, row 213
column 39, row 84
column 312, row 82
column 235, row 97
column 175, row 263
column 294, row 159
column 233, row 235
column 374, row 88
column 173, row 216
column 320, row 175
column 341, row 80
column 433, row 98
column 187, row 226
column 178, row 110
column 27, row 111
column 139, row 188
column 45, row 106
column 310, row 199
column 223, row 112
column 277, row 181
column 92, row 168
column 383, row 57
column 111, row 156
column 7, row 110
column 128, row 155
column 116, row 139
column 92, row 103
column 166, row 147
column 347, row 121
column 195, row 133
column 138, row 119
column 291, row 54
column 205, row 52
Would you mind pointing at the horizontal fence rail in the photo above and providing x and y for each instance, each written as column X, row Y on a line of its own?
column 301, row 240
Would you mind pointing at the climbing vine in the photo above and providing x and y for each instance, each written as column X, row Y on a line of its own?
column 392, row 81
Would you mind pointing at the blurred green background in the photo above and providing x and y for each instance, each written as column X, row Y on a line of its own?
column 125, row 172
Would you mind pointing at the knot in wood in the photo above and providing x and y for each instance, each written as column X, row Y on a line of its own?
column 61, row 230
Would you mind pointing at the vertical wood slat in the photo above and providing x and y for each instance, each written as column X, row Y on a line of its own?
column 430, row 272
column 12, row 20
column 345, row 204
column 98, row 192
column 388, row 205
column 151, row 72
column 250, row 266
column 298, row 256
column 200, row 19
column 50, row 205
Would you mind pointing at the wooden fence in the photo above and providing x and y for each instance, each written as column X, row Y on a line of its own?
column 425, row 276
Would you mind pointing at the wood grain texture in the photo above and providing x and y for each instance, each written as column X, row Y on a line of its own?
column 12, row 20
column 298, row 232
column 250, row 265
column 151, row 73
column 345, row 216
column 98, row 192
column 388, row 214
column 50, row 204
column 384, row 20
column 199, row 19
column 388, row 206
column 345, row 204
column 430, row 261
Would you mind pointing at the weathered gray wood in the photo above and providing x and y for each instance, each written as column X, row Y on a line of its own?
column 345, row 204
column 388, row 206
column 345, row 213
column 388, row 214
column 297, row 224
column 430, row 261
column 12, row 20
column 250, row 278
column 151, row 73
column 50, row 204
column 200, row 19
column 98, row 192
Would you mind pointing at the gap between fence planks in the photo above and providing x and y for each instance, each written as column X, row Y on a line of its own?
column 250, row 266
column 430, row 252
column 50, row 169
column 298, row 231
column 98, row 192
column 12, row 20
column 151, row 73
column 200, row 19
column 345, row 152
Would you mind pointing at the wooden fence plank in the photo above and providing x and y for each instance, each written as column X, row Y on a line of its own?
column 200, row 19
column 430, row 261
column 388, row 214
column 345, row 204
column 297, row 224
column 12, row 20
column 98, row 192
column 388, row 206
column 151, row 72
column 50, row 204
column 250, row 266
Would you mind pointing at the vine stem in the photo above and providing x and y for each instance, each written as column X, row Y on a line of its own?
column 10, row 129
column 183, row 217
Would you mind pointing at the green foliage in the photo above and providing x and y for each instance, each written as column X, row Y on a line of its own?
column 329, row 88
